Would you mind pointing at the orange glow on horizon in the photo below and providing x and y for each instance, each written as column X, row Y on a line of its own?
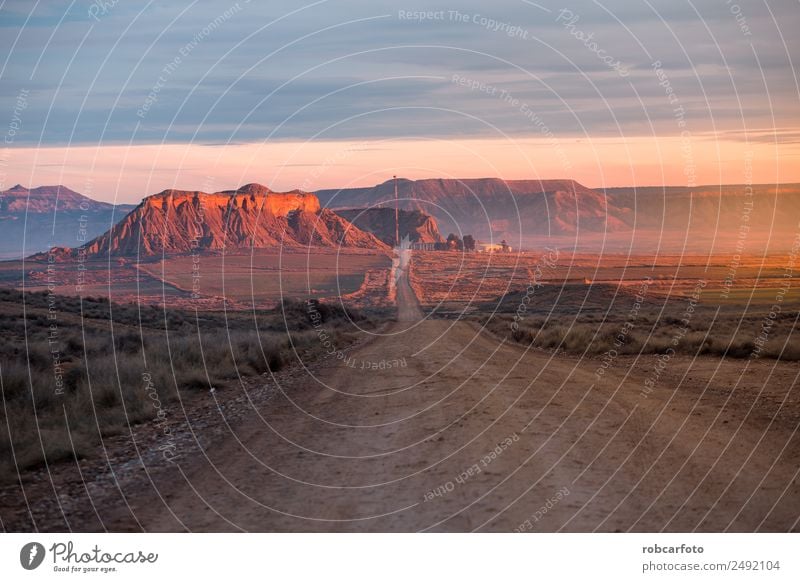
column 127, row 174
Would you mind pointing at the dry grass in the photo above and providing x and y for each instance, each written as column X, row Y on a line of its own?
column 266, row 277
column 114, row 360
column 557, row 321
column 732, row 334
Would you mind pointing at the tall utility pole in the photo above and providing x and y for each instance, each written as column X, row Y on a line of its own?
column 396, row 214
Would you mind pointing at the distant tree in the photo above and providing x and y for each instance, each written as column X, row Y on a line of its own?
column 469, row 242
column 454, row 243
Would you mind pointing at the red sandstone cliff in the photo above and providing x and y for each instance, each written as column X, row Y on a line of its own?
column 178, row 221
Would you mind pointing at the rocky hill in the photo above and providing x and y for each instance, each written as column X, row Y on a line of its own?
column 179, row 221
column 491, row 205
column 532, row 213
column 528, row 213
column 380, row 221
column 34, row 219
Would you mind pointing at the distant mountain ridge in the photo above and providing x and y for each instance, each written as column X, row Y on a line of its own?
column 34, row 219
column 20, row 199
column 415, row 225
column 532, row 213
column 474, row 206
column 528, row 213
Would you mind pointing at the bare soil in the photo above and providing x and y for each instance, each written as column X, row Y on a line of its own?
column 438, row 425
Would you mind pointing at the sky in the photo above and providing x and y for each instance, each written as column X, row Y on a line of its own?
column 119, row 99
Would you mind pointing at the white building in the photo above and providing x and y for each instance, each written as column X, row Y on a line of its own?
column 482, row 247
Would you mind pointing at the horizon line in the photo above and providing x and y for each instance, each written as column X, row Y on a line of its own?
column 601, row 188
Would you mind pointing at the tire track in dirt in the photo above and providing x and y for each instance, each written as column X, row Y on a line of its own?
column 472, row 433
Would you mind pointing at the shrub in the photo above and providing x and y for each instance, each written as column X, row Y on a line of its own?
column 103, row 374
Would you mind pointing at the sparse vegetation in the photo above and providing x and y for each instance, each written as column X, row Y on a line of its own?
column 593, row 334
column 74, row 371
column 581, row 303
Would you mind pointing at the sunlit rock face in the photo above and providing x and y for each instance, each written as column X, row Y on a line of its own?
column 179, row 221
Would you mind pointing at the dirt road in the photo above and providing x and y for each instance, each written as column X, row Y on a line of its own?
column 436, row 425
